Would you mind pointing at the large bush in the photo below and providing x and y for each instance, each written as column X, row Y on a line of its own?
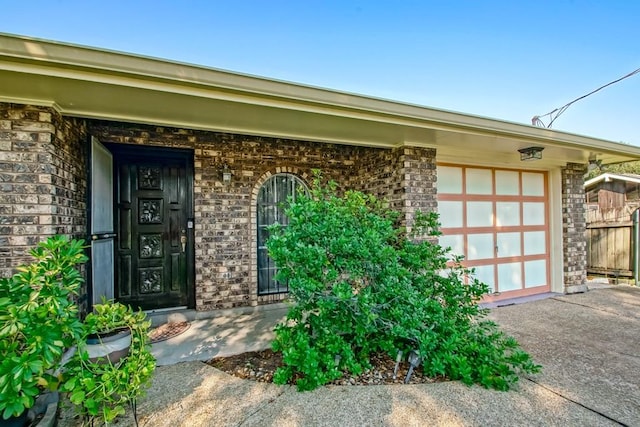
column 360, row 285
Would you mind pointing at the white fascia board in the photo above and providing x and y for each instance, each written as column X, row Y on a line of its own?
column 611, row 176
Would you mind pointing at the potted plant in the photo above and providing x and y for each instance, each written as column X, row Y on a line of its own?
column 108, row 332
column 104, row 376
column 38, row 321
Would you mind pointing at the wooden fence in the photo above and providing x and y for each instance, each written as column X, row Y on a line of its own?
column 610, row 240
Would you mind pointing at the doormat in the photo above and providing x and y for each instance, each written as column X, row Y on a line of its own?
column 168, row 330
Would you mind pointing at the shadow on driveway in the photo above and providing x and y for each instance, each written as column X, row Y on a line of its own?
column 588, row 344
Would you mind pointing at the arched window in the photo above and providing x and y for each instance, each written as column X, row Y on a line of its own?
column 272, row 199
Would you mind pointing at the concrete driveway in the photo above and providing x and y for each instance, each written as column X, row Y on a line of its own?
column 588, row 344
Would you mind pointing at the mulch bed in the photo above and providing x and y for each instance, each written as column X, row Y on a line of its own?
column 260, row 366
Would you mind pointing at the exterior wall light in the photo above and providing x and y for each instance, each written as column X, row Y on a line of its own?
column 530, row 153
column 226, row 174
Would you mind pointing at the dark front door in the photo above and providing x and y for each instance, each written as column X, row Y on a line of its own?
column 153, row 209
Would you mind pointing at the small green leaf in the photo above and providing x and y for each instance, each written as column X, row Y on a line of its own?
column 77, row 397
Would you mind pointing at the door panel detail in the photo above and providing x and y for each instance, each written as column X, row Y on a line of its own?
column 150, row 211
column 150, row 245
column 124, row 276
column 124, row 234
column 149, row 178
column 175, row 272
column 151, row 280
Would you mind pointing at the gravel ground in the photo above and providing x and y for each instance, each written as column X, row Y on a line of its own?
column 260, row 366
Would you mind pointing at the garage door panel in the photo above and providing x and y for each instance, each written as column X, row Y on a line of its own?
column 533, row 184
column 455, row 242
column 508, row 245
column 534, row 242
column 507, row 214
column 510, row 276
column 479, row 214
column 450, row 214
column 535, row 273
column 480, row 246
column 486, row 274
column 479, row 181
column 533, row 213
column 507, row 183
column 450, row 179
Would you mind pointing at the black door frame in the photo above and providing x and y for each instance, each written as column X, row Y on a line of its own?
column 124, row 152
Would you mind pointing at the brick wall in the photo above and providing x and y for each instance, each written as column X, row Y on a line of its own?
column 378, row 174
column 574, row 243
column 42, row 180
column 43, row 190
column 225, row 226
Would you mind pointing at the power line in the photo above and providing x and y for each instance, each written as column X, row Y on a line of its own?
column 553, row 115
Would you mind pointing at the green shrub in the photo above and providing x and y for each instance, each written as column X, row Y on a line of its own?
column 38, row 321
column 359, row 285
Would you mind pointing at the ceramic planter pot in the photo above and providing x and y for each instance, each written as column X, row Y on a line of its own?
column 43, row 414
column 109, row 347
column 19, row 421
column 45, row 409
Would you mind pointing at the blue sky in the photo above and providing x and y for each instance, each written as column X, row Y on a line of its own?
column 509, row 60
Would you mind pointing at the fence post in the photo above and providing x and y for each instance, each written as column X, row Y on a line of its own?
column 636, row 245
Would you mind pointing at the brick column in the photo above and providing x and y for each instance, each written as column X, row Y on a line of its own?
column 26, row 208
column 417, row 179
column 404, row 176
column 42, row 180
column 574, row 242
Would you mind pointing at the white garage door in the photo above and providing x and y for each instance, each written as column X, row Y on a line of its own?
column 498, row 220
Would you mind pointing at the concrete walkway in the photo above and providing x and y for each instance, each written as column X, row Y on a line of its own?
column 588, row 344
column 225, row 333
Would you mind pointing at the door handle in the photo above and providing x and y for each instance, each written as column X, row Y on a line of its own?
column 103, row 236
column 183, row 240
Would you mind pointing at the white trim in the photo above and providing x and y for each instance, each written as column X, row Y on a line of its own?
column 607, row 177
column 29, row 101
column 556, row 254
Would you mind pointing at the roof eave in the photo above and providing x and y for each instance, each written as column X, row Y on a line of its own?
column 78, row 63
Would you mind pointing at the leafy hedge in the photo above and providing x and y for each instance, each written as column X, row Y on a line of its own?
column 361, row 286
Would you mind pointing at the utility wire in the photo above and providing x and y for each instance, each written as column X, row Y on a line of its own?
column 553, row 115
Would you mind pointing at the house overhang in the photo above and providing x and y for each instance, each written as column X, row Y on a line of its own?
column 93, row 83
column 608, row 177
